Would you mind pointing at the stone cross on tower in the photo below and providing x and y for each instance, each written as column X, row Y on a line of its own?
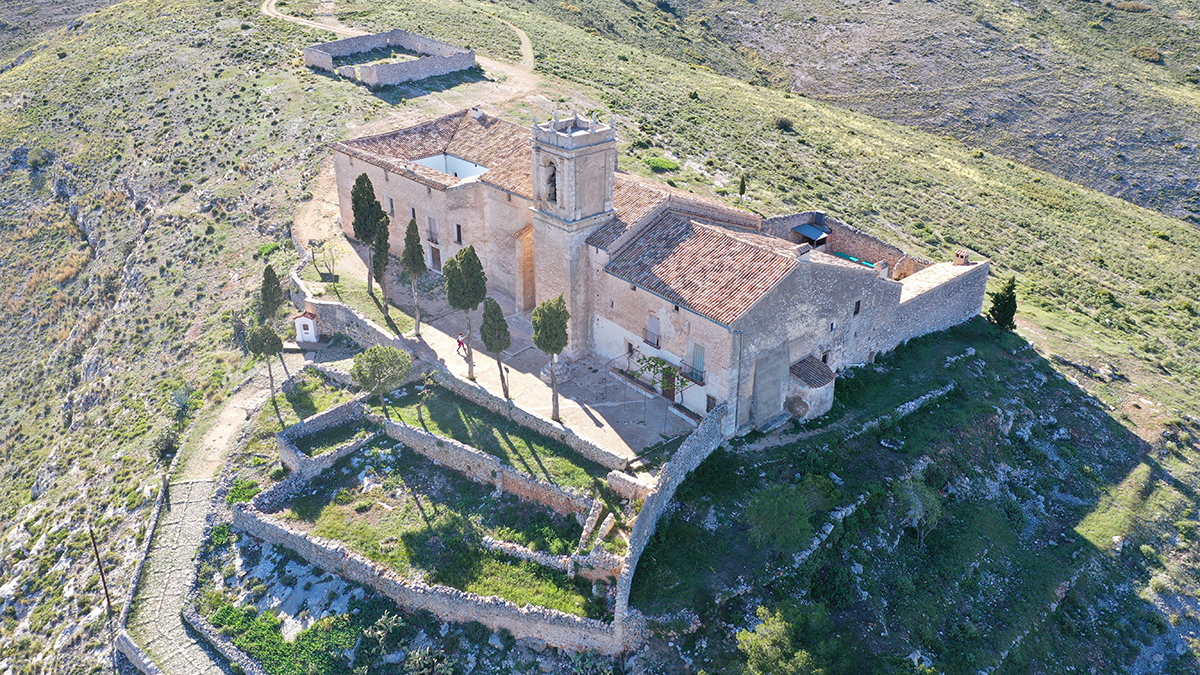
column 573, row 164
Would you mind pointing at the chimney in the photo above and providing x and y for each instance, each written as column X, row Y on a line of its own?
column 476, row 112
column 962, row 257
column 802, row 252
column 882, row 268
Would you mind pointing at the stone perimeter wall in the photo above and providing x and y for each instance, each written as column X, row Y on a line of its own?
column 437, row 58
column 559, row 629
column 698, row 446
column 949, row 304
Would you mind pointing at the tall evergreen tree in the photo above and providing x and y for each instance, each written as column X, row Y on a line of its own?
column 493, row 330
column 264, row 341
column 413, row 262
column 271, row 293
column 466, row 287
column 369, row 217
column 379, row 263
column 1003, row 311
column 550, row 335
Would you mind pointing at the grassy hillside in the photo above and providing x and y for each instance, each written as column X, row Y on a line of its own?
column 172, row 139
column 1106, row 94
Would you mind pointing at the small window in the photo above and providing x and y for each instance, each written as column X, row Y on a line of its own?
column 510, row 196
column 676, row 308
column 628, row 348
column 458, row 236
column 391, row 207
column 710, row 402
column 633, row 288
column 832, row 325
column 857, row 307
column 412, row 213
column 825, row 358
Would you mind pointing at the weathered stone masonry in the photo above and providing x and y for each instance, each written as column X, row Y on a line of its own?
column 437, row 58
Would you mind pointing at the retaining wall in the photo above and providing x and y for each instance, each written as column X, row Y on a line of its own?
column 335, row 317
column 307, row 466
column 938, row 308
column 558, row 629
column 628, row 486
column 437, row 58
column 483, row 468
column 698, row 446
column 219, row 642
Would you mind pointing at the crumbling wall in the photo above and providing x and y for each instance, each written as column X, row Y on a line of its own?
column 698, row 446
column 307, row 466
column 558, row 629
column 437, row 58
column 335, row 317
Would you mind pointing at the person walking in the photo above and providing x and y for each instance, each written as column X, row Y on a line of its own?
column 462, row 345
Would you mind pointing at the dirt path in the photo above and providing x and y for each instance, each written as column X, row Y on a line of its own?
column 214, row 446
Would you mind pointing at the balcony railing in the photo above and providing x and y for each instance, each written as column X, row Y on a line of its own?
column 691, row 372
column 433, row 238
column 650, row 338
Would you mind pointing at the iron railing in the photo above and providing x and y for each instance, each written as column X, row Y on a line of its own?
column 691, row 372
column 650, row 337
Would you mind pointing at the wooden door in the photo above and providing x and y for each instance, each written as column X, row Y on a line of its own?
column 668, row 385
column 435, row 257
column 527, row 290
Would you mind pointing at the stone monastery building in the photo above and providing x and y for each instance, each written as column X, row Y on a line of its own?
column 759, row 313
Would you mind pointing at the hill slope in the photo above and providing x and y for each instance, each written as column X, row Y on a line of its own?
column 148, row 165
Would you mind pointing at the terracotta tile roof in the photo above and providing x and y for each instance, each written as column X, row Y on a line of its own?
column 712, row 270
column 632, row 200
column 812, row 372
column 503, row 147
column 634, row 197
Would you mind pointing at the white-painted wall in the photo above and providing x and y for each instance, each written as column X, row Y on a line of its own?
column 451, row 165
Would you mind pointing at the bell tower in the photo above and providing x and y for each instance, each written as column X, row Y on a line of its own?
column 573, row 164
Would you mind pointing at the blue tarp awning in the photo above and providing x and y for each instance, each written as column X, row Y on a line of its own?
column 813, row 232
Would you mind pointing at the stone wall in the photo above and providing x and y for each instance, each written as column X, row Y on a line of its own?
column 219, row 642
column 336, row 317
column 628, row 486
column 126, row 645
column 309, row 467
column 437, row 58
column 558, row 629
column 483, row 397
column 698, row 446
column 940, row 307
column 851, row 241
column 483, row 468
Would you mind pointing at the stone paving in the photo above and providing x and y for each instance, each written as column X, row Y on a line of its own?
column 155, row 621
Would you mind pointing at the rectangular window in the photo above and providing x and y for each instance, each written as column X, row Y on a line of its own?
column 457, row 233
column 412, row 213
column 651, row 333
column 433, row 229
column 857, row 307
column 391, row 207
column 628, row 348
column 825, row 358
column 694, row 370
column 710, row 402
column 832, row 325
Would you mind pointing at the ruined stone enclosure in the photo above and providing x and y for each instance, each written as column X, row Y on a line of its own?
column 383, row 59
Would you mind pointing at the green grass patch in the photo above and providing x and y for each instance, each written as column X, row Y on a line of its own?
column 331, row 438
column 442, row 412
column 426, row 521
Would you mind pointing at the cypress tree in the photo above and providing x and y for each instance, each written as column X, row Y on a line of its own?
column 379, row 262
column 271, row 293
column 413, row 262
column 493, row 329
column 466, row 287
column 1003, row 311
column 369, row 217
column 550, row 335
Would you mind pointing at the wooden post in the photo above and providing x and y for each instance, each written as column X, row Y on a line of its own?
column 100, row 565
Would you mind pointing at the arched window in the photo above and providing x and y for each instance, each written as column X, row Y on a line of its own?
column 552, row 184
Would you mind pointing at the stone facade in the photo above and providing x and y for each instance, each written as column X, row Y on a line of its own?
column 436, row 58
column 558, row 629
column 730, row 299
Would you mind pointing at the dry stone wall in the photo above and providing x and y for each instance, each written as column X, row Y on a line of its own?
column 628, row 486
column 309, row 467
column 558, row 629
column 698, row 446
column 483, row 468
column 849, row 240
column 437, row 58
column 219, row 642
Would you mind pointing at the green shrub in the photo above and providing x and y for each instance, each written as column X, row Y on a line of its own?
column 1149, row 54
column 784, row 123
column 38, row 158
column 221, row 535
column 661, row 164
column 267, row 249
column 277, row 473
column 242, row 490
column 363, row 505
